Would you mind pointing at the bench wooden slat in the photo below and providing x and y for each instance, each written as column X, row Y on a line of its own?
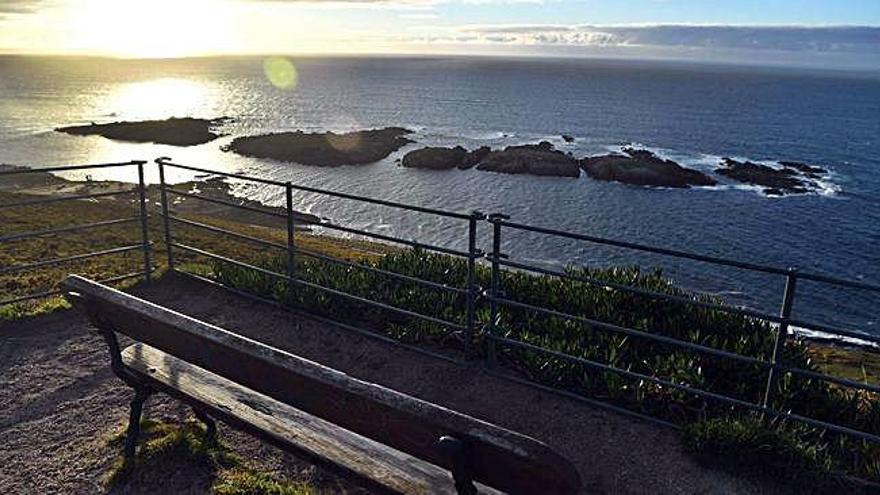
column 502, row 459
column 371, row 461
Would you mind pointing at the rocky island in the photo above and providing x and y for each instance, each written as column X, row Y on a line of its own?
column 643, row 168
column 792, row 178
column 174, row 131
column 533, row 159
column 326, row 149
column 440, row 158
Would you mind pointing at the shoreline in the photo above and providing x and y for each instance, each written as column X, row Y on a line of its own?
column 48, row 184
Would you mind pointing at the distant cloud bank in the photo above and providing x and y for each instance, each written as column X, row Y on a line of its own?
column 834, row 39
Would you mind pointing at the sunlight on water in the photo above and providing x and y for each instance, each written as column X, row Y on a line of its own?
column 159, row 99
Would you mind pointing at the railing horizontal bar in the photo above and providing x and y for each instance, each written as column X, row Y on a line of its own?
column 581, row 398
column 400, row 276
column 834, row 330
column 397, row 240
column 57, row 199
column 227, row 203
column 224, row 174
column 816, row 277
column 316, row 190
column 284, row 277
column 828, row 426
column 646, row 248
column 72, row 228
column 382, row 202
column 317, row 255
column 685, row 388
column 78, row 257
column 834, row 379
column 230, row 233
column 388, row 307
column 67, row 168
column 224, row 259
column 630, row 374
column 638, row 333
column 636, row 290
column 319, row 318
column 56, row 292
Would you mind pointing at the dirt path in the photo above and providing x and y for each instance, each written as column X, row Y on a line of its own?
column 59, row 403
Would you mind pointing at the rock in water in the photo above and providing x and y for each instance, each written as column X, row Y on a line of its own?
column 174, row 131
column 568, row 138
column 776, row 182
column 533, row 159
column 643, row 168
column 440, row 158
column 323, row 149
column 808, row 170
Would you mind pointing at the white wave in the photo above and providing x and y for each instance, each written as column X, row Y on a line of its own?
column 828, row 337
column 488, row 135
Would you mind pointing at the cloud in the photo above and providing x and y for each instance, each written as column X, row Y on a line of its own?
column 830, row 39
column 8, row 7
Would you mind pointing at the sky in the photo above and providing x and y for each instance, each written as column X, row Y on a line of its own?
column 838, row 33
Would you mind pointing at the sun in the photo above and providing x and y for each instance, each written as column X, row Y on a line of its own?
column 152, row 29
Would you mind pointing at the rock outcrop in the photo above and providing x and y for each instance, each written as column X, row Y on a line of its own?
column 793, row 178
column 643, row 168
column 534, row 159
column 440, row 158
column 326, row 149
column 807, row 170
column 185, row 131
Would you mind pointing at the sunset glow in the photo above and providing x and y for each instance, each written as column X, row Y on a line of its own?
column 154, row 29
column 811, row 32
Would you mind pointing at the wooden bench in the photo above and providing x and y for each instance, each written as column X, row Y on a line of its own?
column 381, row 438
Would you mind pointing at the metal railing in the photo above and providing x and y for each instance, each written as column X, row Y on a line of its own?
column 775, row 367
column 470, row 220
column 140, row 219
column 494, row 296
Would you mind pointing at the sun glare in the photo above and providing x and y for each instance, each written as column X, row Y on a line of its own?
column 153, row 29
column 159, row 99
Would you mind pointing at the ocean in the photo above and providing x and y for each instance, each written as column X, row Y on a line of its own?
column 692, row 113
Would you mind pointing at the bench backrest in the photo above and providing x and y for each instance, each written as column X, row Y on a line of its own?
column 501, row 458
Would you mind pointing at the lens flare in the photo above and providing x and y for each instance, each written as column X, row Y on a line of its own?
column 280, row 72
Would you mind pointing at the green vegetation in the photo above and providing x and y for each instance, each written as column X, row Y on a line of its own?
column 712, row 328
column 758, row 447
column 63, row 214
column 245, row 482
column 171, row 447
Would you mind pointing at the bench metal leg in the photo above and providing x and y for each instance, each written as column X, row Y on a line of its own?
column 134, row 420
column 462, row 467
column 210, row 425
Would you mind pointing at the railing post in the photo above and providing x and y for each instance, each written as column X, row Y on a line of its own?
column 166, row 221
column 145, row 235
column 781, row 336
column 291, row 247
column 495, row 287
column 473, row 290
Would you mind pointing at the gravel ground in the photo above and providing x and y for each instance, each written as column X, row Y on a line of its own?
column 59, row 404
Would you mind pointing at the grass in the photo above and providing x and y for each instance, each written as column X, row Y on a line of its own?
column 172, row 447
column 755, row 446
column 54, row 215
